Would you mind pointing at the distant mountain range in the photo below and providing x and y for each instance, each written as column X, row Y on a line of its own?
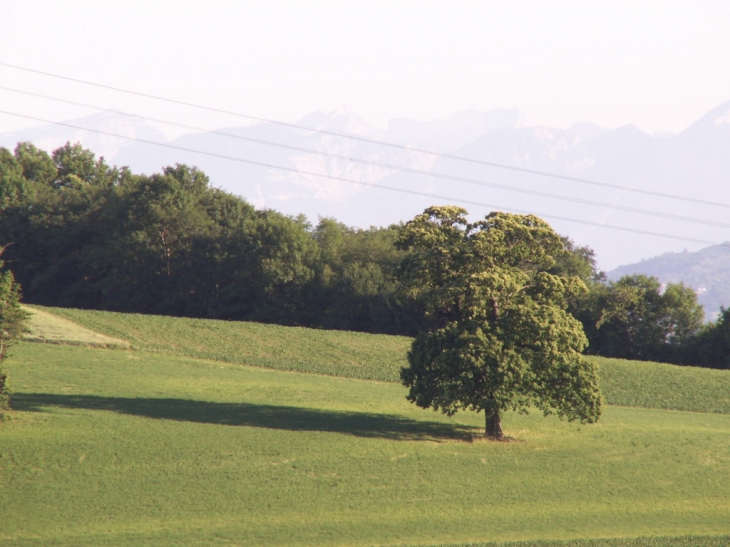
column 49, row 137
column 694, row 164
column 706, row 271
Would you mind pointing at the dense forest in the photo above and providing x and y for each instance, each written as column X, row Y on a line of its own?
column 80, row 233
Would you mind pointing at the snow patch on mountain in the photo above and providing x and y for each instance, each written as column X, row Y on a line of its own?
column 106, row 133
column 721, row 120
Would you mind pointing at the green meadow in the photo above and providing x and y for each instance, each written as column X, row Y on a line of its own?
column 181, row 441
column 376, row 357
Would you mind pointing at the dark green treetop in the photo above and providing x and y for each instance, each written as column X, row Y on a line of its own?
column 711, row 347
column 636, row 317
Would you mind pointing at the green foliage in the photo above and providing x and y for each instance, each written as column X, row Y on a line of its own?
column 38, row 167
column 501, row 338
column 12, row 326
column 122, row 448
column 355, row 280
column 93, row 236
column 76, row 166
column 711, row 347
column 633, row 318
column 12, row 317
column 575, row 261
column 13, row 185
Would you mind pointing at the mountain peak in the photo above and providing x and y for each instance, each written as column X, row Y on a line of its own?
column 715, row 122
column 340, row 120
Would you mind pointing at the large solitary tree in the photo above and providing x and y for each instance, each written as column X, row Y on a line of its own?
column 499, row 337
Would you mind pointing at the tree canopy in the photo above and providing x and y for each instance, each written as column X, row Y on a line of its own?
column 711, row 347
column 499, row 336
column 636, row 317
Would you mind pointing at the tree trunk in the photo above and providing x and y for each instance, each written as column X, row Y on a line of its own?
column 494, row 425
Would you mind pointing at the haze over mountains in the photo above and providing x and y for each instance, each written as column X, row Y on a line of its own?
column 694, row 164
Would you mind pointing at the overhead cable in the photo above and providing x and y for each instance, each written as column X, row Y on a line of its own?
column 372, row 185
column 401, row 168
column 371, row 141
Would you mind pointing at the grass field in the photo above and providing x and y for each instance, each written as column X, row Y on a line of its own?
column 335, row 353
column 117, row 447
column 379, row 357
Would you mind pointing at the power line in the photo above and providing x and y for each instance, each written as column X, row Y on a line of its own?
column 372, row 185
column 372, row 141
column 404, row 169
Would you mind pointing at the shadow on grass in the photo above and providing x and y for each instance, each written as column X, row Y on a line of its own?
column 287, row 418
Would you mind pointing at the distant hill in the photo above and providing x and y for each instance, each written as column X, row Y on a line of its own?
column 706, row 271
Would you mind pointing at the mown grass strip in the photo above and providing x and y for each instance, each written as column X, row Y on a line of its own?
column 380, row 357
column 49, row 328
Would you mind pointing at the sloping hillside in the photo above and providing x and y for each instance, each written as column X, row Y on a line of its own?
column 379, row 357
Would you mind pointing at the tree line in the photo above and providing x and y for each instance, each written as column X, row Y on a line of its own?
column 81, row 233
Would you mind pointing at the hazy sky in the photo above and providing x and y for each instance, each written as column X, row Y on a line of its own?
column 657, row 64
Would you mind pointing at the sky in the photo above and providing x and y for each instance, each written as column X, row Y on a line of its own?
column 659, row 65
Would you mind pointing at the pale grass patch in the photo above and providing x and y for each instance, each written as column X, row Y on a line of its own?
column 44, row 327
